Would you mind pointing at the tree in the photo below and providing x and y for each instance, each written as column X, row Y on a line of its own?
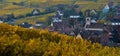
column 76, row 6
column 49, row 20
column 61, row 6
column 72, row 11
column 81, row 13
column 69, row 12
column 81, row 16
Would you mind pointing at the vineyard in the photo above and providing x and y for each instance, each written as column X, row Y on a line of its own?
column 17, row 41
column 7, row 5
column 23, row 8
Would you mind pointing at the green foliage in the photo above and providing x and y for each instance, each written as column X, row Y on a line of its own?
column 16, row 41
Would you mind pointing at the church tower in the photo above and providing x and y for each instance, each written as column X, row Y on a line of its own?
column 88, row 22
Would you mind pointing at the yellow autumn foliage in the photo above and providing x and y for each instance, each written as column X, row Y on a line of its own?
column 17, row 41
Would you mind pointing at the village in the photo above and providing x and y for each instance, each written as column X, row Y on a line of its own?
column 98, row 26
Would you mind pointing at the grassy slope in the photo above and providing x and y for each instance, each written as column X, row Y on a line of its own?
column 16, row 10
column 33, row 19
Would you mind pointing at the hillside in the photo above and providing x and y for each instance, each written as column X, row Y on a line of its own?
column 21, row 8
column 7, row 7
column 33, row 19
column 17, row 41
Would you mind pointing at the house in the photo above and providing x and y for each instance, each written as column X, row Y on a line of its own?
column 25, row 25
column 68, row 30
column 31, row 27
column 74, row 16
column 91, row 13
column 92, row 25
column 57, row 24
column 106, row 9
column 11, row 22
column 94, row 14
column 8, row 17
column 36, row 12
column 94, row 11
column 56, row 19
column 96, row 32
column 59, row 14
column 115, row 22
column 60, row 25
column 115, row 25
column 38, row 23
